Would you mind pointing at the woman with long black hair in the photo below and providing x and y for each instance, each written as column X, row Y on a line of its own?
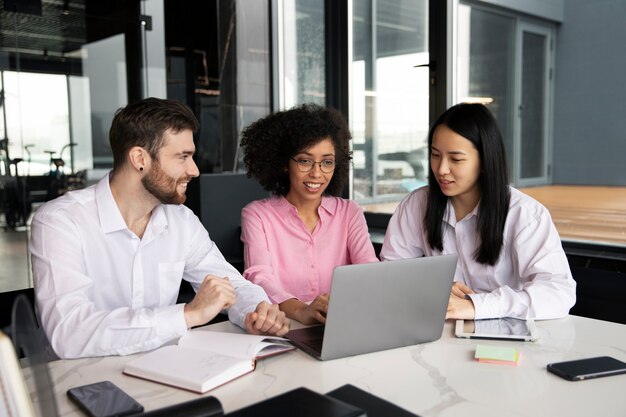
column 511, row 262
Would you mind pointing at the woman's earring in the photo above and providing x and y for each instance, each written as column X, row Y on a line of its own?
column 140, row 168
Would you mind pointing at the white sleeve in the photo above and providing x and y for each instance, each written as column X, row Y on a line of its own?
column 548, row 290
column 403, row 238
column 206, row 258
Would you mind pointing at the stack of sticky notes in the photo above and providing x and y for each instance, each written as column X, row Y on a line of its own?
column 497, row 354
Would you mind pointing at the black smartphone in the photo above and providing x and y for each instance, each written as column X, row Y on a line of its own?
column 580, row 369
column 104, row 399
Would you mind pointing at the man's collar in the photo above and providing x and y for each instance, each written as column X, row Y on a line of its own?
column 111, row 219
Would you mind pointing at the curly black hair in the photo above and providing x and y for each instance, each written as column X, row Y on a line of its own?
column 270, row 142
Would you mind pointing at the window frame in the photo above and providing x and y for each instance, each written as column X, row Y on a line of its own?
column 440, row 25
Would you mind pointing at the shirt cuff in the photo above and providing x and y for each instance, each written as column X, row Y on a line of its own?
column 238, row 312
column 171, row 322
column 485, row 306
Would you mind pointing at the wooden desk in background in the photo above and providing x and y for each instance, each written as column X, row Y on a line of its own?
column 433, row 379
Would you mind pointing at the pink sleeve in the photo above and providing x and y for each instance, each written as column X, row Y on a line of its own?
column 360, row 245
column 258, row 264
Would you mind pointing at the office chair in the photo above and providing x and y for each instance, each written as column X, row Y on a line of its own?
column 32, row 345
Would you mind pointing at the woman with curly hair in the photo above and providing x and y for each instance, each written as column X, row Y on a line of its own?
column 294, row 239
column 511, row 262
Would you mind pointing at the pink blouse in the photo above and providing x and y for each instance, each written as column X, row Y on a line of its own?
column 287, row 260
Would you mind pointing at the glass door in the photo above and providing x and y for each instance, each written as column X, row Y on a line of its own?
column 504, row 61
column 484, row 67
column 533, row 104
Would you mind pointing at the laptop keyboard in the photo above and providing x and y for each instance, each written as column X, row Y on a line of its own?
column 311, row 337
column 315, row 344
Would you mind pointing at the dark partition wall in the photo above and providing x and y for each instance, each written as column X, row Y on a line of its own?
column 222, row 196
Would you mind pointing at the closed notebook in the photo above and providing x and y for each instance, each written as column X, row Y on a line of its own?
column 301, row 402
column 373, row 405
column 204, row 360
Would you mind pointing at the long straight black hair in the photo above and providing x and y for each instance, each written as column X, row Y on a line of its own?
column 475, row 123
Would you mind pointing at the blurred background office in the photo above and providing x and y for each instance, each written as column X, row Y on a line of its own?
column 551, row 72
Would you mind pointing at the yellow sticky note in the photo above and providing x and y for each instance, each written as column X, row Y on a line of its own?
column 497, row 354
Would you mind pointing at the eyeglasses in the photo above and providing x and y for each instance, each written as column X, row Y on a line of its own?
column 305, row 165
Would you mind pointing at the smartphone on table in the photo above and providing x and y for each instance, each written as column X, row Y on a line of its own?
column 580, row 369
column 104, row 399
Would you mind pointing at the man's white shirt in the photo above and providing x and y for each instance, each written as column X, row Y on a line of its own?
column 101, row 290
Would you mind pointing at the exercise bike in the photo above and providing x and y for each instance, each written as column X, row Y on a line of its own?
column 60, row 181
column 15, row 201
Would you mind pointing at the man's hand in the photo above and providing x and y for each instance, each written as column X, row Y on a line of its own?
column 214, row 295
column 460, row 306
column 267, row 319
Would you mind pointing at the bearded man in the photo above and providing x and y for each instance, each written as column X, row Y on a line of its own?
column 108, row 260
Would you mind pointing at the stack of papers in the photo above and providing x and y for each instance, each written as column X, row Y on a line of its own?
column 497, row 354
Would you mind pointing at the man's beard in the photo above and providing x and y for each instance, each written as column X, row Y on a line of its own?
column 162, row 186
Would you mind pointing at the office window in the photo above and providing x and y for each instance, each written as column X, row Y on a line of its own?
column 2, row 135
column 389, row 101
column 37, row 119
column 300, row 57
column 64, row 73
column 4, row 168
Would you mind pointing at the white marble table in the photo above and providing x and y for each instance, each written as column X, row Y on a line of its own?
column 433, row 379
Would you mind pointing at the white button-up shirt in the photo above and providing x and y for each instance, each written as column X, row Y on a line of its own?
column 531, row 279
column 101, row 290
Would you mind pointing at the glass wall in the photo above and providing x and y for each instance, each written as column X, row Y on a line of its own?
column 389, row 100
column 38, row 126
column 64, row 71
column 253, row 68
column 300, row 53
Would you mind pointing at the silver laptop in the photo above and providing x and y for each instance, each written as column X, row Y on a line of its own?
column 381, row 306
